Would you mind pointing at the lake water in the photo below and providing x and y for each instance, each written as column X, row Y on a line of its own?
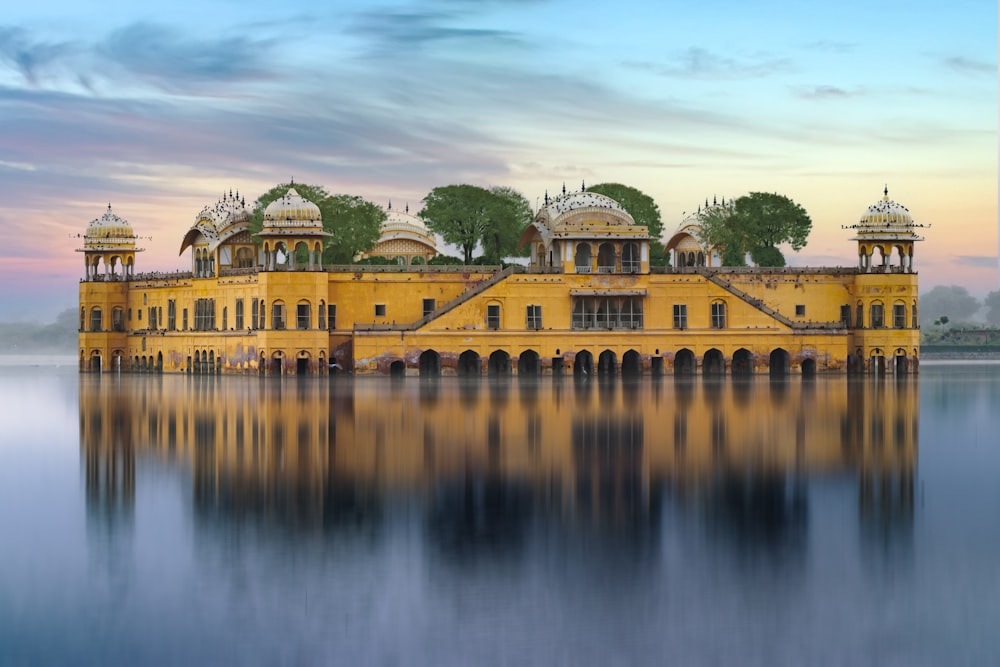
column 190, row 520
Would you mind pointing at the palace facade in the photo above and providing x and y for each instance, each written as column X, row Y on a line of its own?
column 588, row 301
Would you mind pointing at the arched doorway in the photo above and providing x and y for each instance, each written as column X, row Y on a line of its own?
column 159, row 362
column 583, row 364
column 713, row 364
column 430, row 364
column 499, row 365
column 742, row 363
column 276, row 364
column 197, row 361
column 528, row 364
column 95, row 361
column 778, row 363
column 684, row 362
column 808, row 368
column 900, row 364
column 469, row 364
column 631, row 364
column 397, row 369
column 302, row 363
column 607, row 364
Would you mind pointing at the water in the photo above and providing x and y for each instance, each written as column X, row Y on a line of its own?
column 185, row 520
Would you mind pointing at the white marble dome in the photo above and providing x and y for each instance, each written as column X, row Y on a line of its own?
column 885, row 215
column 109, row 231
column 292, row 210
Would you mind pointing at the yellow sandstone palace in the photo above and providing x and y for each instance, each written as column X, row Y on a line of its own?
column 588, row 301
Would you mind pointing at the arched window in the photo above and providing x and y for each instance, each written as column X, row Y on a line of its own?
column 303, row 315
column 321, row 315
column 96, row 319
column 859, row 316
column 583, row 258
column 277, row 315
column 719, row 315
column 606, row 259
column 877, row 315
column 630, row 258
column 899, row 315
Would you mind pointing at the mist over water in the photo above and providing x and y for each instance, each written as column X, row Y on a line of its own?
column 176, row 519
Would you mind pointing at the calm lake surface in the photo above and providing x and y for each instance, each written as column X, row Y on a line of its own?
column 191, row 520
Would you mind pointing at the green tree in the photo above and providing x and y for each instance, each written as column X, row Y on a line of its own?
column 509, row 215
column 992, row 305
column 756, row 224
column 354, row 222
column 948, row 303
column 643, row 210
column 469, row 216
column 719, row 230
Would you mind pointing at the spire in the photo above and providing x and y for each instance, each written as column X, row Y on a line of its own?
column 714, row 201
column 407, row 209
column 886, row 191
column 390, row 204
column 564, row 187
column 583, row 186
column 546, row 197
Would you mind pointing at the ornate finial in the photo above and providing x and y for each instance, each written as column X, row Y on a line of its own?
column 564, row 187
column 723, row 201
column 699, row 208
column 583, row 186
column 714, row 201
column 390, row 204
column 546, row 197
column 706, row 202
column 886, row 191
column 407, row 209
column 292, row 181
column 109, row 207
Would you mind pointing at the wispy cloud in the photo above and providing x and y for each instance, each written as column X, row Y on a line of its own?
column 163, row 56
column 825, row 92
column 977, row 261
column 697, row 62
column 965, row 65
column 28, row 55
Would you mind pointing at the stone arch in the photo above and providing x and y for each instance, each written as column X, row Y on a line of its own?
column 499, row 364
column 430, row 364
column 631, row 364
column 159, row 361
column 583, row 364
column 469, row 364
column 900, row 362
column 397, row 369
column 808, row 368
column 742, row 365
column 606, row 258
column 607, row 364
column 684, row 362
column 528, row 364
column 303, row 360
column 713, row 363
column 779, row 362
column 583, row 258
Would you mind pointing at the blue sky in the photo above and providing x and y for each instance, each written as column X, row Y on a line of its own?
column 160, row 108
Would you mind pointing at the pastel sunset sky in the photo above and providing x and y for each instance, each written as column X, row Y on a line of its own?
column 159, row 108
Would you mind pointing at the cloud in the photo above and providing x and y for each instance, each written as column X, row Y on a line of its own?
column 824, row 92
column 29, row 56
column 397, row 34
column 161, row 55
column 977, row 261
column 968, row 65
column 697, row 62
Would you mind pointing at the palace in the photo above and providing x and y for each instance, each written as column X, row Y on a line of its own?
column 588, row 301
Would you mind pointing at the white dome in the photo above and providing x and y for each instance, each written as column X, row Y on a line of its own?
column 228, row 210
column 292, row 210
column 108, row 232
column 885, row 215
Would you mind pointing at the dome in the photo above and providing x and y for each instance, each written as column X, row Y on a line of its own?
column 583, row 199
column 109, row 232
column 229, row 210
column 885, row 215
column 292, row 210
column 396, row 219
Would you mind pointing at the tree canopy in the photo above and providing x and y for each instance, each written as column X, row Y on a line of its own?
column 948, row 303
column 992, row 305
column 354, row 222
column 469, row 216
column 756, row 224
column 643, row 210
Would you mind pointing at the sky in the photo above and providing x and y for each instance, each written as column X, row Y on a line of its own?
column 160, row 108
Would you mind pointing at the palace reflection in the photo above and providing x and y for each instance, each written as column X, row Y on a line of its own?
column 486, row 462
